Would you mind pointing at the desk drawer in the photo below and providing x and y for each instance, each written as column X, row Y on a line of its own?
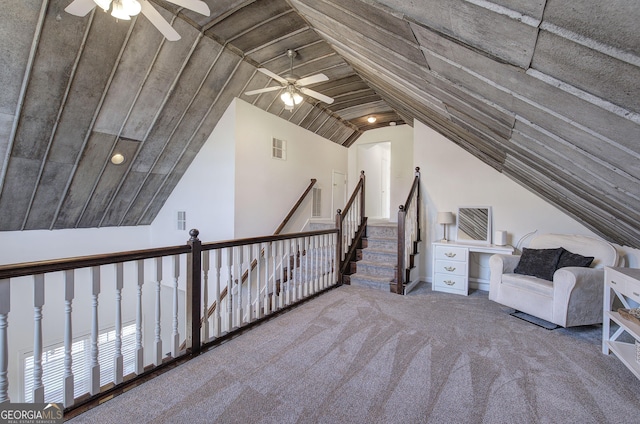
column 618, row 284
column 450, row 282
column 451, row 253
column 451, row 267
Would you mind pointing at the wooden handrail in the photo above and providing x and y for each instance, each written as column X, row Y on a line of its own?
column 295, row 207
column 414, row 187
column 354, row 195
column 42, row 267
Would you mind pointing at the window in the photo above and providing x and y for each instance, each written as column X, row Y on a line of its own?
column 53, row 364
column 182, row 220
column 316, row 210
column 278, row 149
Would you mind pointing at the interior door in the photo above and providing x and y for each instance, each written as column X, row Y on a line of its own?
column 338, row 191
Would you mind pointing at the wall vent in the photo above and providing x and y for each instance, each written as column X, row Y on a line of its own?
column 278, row 149
column 316, row 209
column 181, row 221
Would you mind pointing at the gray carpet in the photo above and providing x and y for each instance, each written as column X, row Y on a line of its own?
column 356, row 355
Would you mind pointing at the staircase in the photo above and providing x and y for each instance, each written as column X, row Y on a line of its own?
column 378, row 258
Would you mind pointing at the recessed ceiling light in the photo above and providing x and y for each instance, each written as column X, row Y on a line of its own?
column 392, row 123
column 371, row 119
column 117, row 159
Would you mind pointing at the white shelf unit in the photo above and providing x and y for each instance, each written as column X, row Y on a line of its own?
column 622, row 284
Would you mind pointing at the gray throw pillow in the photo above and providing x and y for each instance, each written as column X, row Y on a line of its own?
column 568, row 258
column 541, row 263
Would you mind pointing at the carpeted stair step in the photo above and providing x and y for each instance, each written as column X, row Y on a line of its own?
column 375, row 269
column 380, row 243
column 379, row 255
column 379, row 283
column 383, row 231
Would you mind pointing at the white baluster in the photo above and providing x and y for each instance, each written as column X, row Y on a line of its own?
column 139, row 348
column 158, row 332
column 316, row 264
column 238, row 280
column 118, row 360
column 229, row 252
column 38, row 302
column 248, row 257
column 266, row 302
column 217, row 319
column 286, row 265
column 294, row 270
column 95, row 365
column 323, row 259
column 175, row 336
column 281, row 296
column 305, row 251
column 205, row 296
column 257, row 314
column 68, row 396
column 5, row 307
column 274, row 270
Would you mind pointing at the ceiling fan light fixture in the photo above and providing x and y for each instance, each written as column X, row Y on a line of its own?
column 118, row 11
column 131, row 7
column 103, row 4
column 297, row 98
column 287, row 98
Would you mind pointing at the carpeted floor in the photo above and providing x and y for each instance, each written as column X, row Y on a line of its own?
column 356, row 355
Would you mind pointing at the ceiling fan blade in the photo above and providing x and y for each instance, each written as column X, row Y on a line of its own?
column 262, row 90
column 158, row 21
column 312, row 79
column 273, row 75
column 80, row 7
column 195, row 5
column 316, row 95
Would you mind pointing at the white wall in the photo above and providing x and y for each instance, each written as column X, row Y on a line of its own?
column 402, row 168
column 267, row 188
column 38, row 245
column 452, row 177
column 205, row 191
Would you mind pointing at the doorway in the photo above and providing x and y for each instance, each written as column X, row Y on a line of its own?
column 375, row 160
column 338, row 191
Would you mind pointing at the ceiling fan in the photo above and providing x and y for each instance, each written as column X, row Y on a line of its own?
column 124, row 9
column 293, row 86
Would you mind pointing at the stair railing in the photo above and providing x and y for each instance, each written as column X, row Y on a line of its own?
column 351, row 222
column 408, row 234
column 211, row 308
column 137, row 287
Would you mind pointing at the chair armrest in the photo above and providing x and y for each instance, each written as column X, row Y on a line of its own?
column 577, row 295
column 498, row 265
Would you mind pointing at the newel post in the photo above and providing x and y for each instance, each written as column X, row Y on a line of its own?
column 362, row 191
column 339, row 244
column 402, row 214
column 194, row 293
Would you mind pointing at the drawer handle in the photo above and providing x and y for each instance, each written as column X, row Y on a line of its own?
column 450, row 255
column 449, row 282
column 636, row 294
column 450, row 268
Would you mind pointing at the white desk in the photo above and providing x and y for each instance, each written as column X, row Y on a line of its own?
column 451, row 264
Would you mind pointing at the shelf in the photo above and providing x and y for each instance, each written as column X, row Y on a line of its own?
column 629, row 326
column 626, row 352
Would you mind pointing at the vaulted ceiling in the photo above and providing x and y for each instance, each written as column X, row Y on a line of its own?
column 545, row 91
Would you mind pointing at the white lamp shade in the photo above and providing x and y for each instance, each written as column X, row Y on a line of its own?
column 118, row 12
column 131, row 7
column 103, row 4
column 445, row 218
column 297, row 98
column 287, row 98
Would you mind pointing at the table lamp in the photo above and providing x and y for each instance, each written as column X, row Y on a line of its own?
column 445, row 218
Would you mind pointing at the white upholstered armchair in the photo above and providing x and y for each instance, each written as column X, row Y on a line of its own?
column 574, row 297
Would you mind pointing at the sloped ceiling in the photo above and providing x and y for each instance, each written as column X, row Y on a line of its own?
column 546, row 92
